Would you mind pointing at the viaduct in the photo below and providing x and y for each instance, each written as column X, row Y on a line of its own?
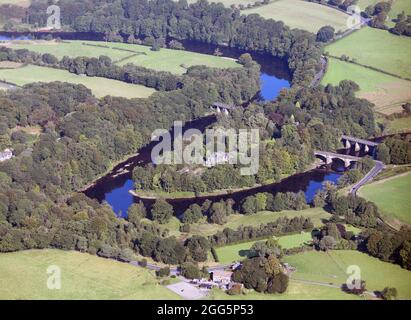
column 222, row 107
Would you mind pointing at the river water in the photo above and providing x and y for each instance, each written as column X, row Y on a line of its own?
column 114, row 187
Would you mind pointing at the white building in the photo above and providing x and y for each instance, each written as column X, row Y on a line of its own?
column 7, row 154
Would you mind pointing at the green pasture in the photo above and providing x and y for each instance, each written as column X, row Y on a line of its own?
column 175, row 61
column 99, row 86
column 331, row 267
column 302, row 14
column 23, row 275
column 392, row 196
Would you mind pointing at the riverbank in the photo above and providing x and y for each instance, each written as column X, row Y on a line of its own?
column 153, row 195
column 117, row 168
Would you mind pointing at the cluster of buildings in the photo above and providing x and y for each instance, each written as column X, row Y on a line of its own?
column 6, row 154
column 219, row 279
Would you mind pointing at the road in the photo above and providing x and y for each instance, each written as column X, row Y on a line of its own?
column 379, row 166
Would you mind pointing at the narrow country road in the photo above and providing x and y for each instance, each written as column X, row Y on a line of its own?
column 379, row 166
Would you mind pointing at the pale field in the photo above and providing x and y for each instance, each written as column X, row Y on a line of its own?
column 302, row 15
column 21, row 3
column 388, row 93
column 23, row 275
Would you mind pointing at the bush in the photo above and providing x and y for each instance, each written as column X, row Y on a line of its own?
column 389, row 293
column 325, row 34
column 143, row 263
column 126, row 255
column 163, row 272
column 190, row 271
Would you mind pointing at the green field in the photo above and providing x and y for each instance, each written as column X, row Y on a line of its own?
column 331, row 268
column 388, row 93
column 295, row 291
column 237, row 252
column 365, row 3
column 398, row 125
column 175, row 61
column 376, row 48
column 302, row 15
column 399, row 6
column 21, row 3
column 23, row 275
column 392, row 196
column 99, row 86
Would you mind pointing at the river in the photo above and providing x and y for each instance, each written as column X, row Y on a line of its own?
column 114, row 187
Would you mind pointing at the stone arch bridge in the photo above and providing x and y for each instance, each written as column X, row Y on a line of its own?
column 328, row 157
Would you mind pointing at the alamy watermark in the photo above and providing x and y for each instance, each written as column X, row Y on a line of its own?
column 354, row 21
column 216, row 146
column 54, row 277
column 54, row 17
column 354, row 280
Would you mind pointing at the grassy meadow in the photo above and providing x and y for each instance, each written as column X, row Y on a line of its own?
column 331, row 268
column 99, row 86
column 21, row 3
column 23, row 275
column 397, row 125
column 399, row 6
column 237, row 252
column 388, row 93
column 302, row 15
column 376, row 48
column 392, row 196
column 295, row 291
column 174, row 61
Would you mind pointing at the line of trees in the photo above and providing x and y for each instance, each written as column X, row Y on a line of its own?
column 281, row 226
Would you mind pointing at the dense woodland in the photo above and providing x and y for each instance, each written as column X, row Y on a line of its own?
column 80, row 137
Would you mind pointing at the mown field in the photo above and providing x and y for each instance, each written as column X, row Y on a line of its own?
column 99, row 86
column 391, row 195
column 21, row 3
column 295, row 291
column 365, row 3
column 331, row 268
column 175, row 61
column 376, row 48
column 237, row 252
column 398, row 125
column 301, row 14
column 23, row 275
column 399, row 6
column 388, row 93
